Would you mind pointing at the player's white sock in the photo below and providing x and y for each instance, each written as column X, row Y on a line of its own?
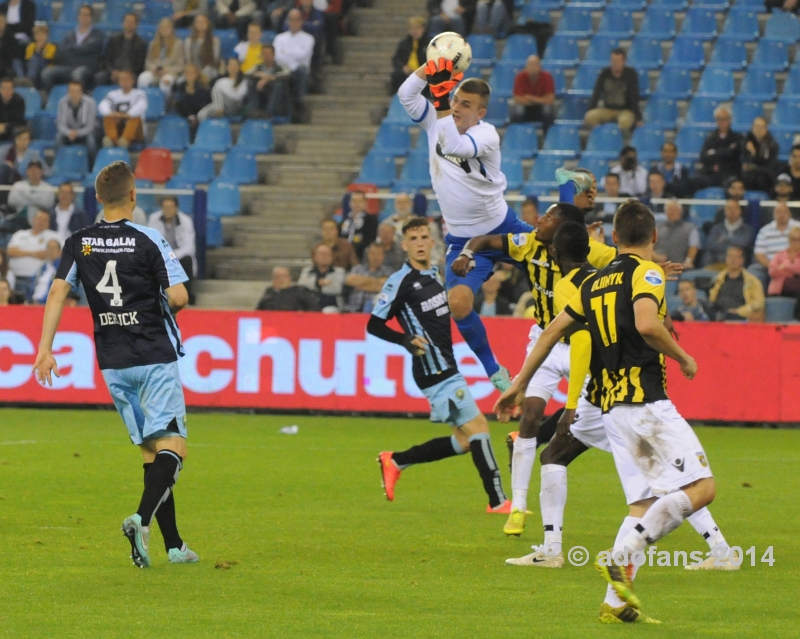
column 552, row 501
column 663, row 517
column 628, row 524
column 521, row 469
column 706, row 527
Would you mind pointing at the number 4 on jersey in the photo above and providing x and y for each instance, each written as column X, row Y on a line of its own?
column 115, row 290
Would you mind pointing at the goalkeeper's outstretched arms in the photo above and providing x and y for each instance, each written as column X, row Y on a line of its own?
column 418, row 108
column 465, row 261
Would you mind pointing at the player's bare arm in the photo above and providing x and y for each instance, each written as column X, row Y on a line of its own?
column 45, row 365
column 464, row 263
column 653, row 331
column 177, row 297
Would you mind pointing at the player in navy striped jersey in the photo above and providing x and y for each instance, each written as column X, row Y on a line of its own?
column 134, row 285
column 415, row 296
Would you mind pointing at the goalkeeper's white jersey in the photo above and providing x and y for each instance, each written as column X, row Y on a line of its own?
column 465, row 169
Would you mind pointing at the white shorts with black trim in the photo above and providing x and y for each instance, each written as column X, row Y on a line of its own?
column 545, row 381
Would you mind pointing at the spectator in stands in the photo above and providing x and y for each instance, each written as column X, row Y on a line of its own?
column 529, row 210
column 790, row 6
column 721, row 152
column 488, row 301
column 324, row 279
column 228, row 95
column 674, row 173
column 403, row 212
column 185, row 12
column 66, row 217
column 249, row 51
column 44, row 276
column 16, row 157
column 164, row 63
column 411, row 52
column 39, row 54
column 737, row 295
column 784, row 268
column 191, row 95
column 20, row 18
column 344, row 255
column 534, row 93
column 784, row 192
column 615, row 97
column 202, row 49
column 178, row 229
column 771, row 240
column 125, row 51
column 26, row 250
column 493, row 17
column 76, row 120
column 446, row 15
column 691, row 308
column 759, row 157
column 12, row 110
column 276, row 12
column 731, row 232
column 611, row 185
column 6, row 275
column 5, row 292
column 123, row 111
column 393, row 254
column 32, row 194
column 10, row 51
column 78, row 54
column 656, row 190
column 359, row 227
column 294, row 49
column 268, row 92
column 282, row 295
column 333, row 16
column 678, row 239
column 313, row 19
column 734, row 190
column 792, row 169
column 367, row 280
column 632, row 175
column 236, row 14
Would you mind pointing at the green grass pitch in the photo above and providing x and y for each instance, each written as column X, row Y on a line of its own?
column 297, row 540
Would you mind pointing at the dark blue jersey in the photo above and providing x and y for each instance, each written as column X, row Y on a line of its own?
column 419, row 301
column 124, row 269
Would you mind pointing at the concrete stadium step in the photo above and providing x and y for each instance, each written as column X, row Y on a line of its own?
column 371, row 44
column 243, row 268
column 372, row 22
column 229, row 294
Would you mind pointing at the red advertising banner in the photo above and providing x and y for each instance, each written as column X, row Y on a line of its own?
column 309, row 361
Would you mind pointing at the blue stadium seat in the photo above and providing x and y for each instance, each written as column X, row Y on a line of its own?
column 673, row 5
column 422, row 142
column 647, row 140
column 792, row 84
column 730, row 52
column 102, row 91
column 783, row 26
column 512, row 169
column 617, row 22
column 69, row 11
column 687, row 53
column 779, row 309
column 70, row 165
column 758, row 196
column 114, row 13
column 690, row 140
column 598, row 166
column 600, row 47
column 154, row 10
column 787, row 112
column 558, row 79
column 784, row 136
column 759, row 84
column 745, row 109
column 377, row 169
column 562, row 51
column 393, row 139
column 33, row 101
column 604, row 141
column 103, row 159
column 576, row 20
column 585, row 78
column 573, row 108
column 716, row 83
column 239, row 167
column 520, row 141
column 719, row 6
column 56, row 93
column 543, row 175
column 197, row 165
column 519, row 47
column 562, row 140
column 223, row 199
column 535, row 12
column 497, row 111
column 185, row 202
column 44, row 10
column 256, row 136
column 59, row 30
column 172, row 133
column 397, row 114
column 674, row 83
column 43, row 128
column 700, row 22
column 645, row 53
column 146, row 200
column 630, row 5
column 416, row 173
column 268, row 36
column 148, row 31
column 484, row 50
column 741, row 22
column 658, row 22
column 661, row 111
column 644, row 83
column 156, row 104
column 228, row 39
column 771, row 54
column 214, row 235
column 473, row 72
column 501, row 81
column 701, row 112
column 213, row 135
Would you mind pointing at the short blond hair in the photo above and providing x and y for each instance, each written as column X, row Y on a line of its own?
column 416, row 21
column 41, row 27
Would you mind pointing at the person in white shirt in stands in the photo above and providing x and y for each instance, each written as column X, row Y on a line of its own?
column 66, row 218
column 632, row 175
column 294, row 49
column 123, row 112
column 27, row 250
column 178, row 229
column 771, row 240
column 228, row 95
column 32, row 194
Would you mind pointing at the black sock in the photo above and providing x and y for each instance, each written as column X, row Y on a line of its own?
column 158, row 482
column 165, row 516
column 548, row 428
column 430, row 451
column 483, row 457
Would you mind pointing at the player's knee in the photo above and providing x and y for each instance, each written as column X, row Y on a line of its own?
column 460, row 301
column 550, row 456
column 530, row 419
column 702, row 493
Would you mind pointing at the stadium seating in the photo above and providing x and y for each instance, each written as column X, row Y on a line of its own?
column 689, row 141
column 576, row 20
column 792, row 84
column 397, row 114
column 512, row 169
column 256, row 136
column 742, row 23
column 604, row 141
column 69, row 11
column 658, row 22
column 70, row 165
column 103, row 159
column 172, row 133
column 562, row 51
column 519, row 47
column 716, row 83
column 772, row 55
column 223, row 199
column 156, row 104
column 214, row 236
column 484, row 50
column 661, row 111
column 497, row 111
column 787, row 112
column 585, row 78
column 729, row 52
column 155, row 165
column 519, row 141
column 600, row 47
column 393, row 139
column 543, row 175
column 197, row 165
column 700, row 22
column 102, row 91
column 647, row 141
column 558, row 79
column 501, row 81
column 56, row 93
column 33, row 101
column 687, row 53
column 562, row 140
column 416, row 173
column 744, row 110
column 597, row 165
column 784, row 136
column 674, row 83
column 377, row 169
column 185, row 202
column 213, row 135
column 573, row 109
column 779, row 309
column 783, row 26
column 239, row 167
column 617, row 22
column 43, row 128
column 759, row 84
column 645, row 53
column 154, row 10
column 701, row 112
column 114, row 13
column 147, row 201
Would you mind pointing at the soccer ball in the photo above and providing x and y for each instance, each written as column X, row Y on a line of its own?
column 451, row 46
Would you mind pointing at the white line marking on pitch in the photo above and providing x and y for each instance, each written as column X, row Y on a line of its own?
column 23, row 441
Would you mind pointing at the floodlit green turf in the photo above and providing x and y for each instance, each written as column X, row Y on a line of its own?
column 314, row 549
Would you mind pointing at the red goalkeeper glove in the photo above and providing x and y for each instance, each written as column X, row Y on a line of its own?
column 441, row 82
